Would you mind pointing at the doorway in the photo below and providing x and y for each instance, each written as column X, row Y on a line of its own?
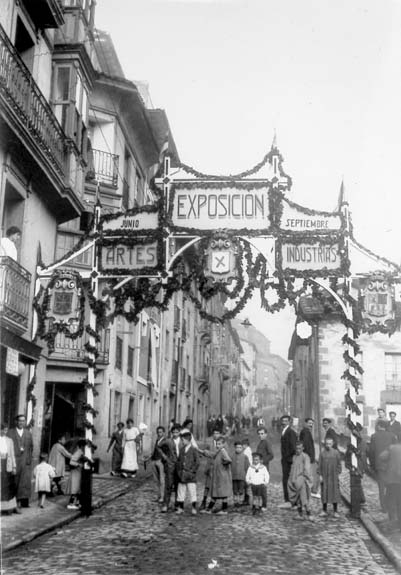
column 63, row 413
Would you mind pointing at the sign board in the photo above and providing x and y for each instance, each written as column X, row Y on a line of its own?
column 12, row 359
column 135, row 223
column 294, row 219
column 217, row 208
column 130, row 258
column 310, row 256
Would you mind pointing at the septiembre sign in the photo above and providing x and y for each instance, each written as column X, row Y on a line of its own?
column 294, row 219
column 228, row 208
column 314, row 256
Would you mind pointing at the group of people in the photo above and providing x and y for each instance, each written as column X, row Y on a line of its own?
column 243, row 474
column 17, row 475
column 384, row 457
column 125, row 443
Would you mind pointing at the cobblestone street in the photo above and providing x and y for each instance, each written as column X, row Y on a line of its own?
column 130, row 535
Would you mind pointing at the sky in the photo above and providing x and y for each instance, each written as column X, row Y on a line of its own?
column 324, row 75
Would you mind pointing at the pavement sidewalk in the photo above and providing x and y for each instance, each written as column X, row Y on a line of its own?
column 16, row 529
column 386, row 533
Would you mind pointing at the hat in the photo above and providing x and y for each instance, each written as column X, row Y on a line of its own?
column 142, row 427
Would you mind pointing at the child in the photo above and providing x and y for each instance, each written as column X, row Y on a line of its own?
column 248, row 454
column 187, row 466
column 265, row 450
column 300, row 482
column 58, row 453
column 221, row 480
column 247, row 449
column 74, row 480
column 43, row 475
column 239, row 467
column 258, row 478
column 329, row 471
column 209, row 452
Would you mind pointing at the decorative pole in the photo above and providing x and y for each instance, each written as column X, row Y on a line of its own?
column 91, row 354
column 351, row 378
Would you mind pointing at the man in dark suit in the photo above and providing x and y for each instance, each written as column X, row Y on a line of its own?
column 306, row 436
column 330, row 433
column 23, row 447
column 379, row 443
column 169, row 449
column 288, row 442
column 394, row 426
column 265, row 450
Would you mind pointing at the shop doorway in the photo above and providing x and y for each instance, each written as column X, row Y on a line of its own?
column 63, row 413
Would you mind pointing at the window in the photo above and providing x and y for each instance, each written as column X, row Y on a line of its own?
column 119, row 353
column 393, row 370
column 65, row 242
column 115, row 410
column 70, row 103
column 131, row 404
column 130, row 360
column 62, row 95
column 167, row 346
column 24, row 43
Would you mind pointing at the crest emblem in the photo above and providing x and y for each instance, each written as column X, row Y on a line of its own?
column 65, row 311
column 221, row 261
column 377, row 300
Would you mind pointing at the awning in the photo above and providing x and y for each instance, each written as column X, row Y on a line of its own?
column 29, row 351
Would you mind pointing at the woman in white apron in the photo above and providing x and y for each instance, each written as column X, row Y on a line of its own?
column 131, row 438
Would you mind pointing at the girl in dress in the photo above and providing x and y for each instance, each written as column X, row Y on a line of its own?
column 131, row 439
column 74, row 480
column 43, row 474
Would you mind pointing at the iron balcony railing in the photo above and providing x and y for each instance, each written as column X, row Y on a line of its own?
column 68, row 349
column 15, row 284
column 103, row 168
column 21, row 91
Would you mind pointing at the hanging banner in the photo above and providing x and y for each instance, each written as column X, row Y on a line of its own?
column 215, row 207
column 138, row 222
column 311, row 258
column 296, row 219
column 379, row 302
column 128, row 257
column 12, row 359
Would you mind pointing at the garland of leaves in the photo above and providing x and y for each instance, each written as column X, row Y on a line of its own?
column 267, row 158
column 42, row 307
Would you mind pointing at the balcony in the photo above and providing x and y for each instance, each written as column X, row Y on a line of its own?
column 29, row 107
column 68, row 349
column 104, row 168
column 15, row 284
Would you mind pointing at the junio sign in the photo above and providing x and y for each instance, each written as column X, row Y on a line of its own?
column 228, row 207
column 138, row 222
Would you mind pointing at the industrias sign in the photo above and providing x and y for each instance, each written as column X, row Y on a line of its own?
column 228, row 207
column 310, row 256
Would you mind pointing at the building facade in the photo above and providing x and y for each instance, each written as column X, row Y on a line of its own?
column 43, row 164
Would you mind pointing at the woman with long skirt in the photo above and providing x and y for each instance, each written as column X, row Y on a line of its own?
column 8, row 471
column 131, row 439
